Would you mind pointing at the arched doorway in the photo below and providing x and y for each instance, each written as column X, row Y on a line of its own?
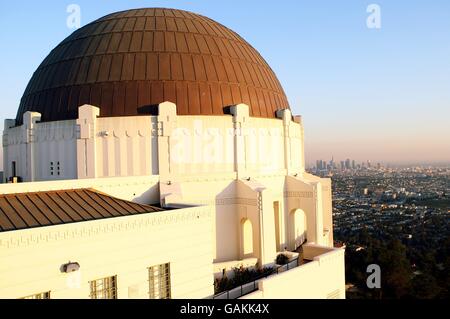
column 246, row 238
column 298, row 228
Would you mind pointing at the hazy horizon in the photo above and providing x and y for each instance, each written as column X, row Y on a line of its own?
column 367, row 94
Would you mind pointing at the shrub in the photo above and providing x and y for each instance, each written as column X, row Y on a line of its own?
column 282, row 259
column 242, row 276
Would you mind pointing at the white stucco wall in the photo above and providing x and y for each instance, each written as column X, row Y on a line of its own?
column 321, row 278
column 30, row 259
column 94, row 146
column 38, row 150
column 126, row 146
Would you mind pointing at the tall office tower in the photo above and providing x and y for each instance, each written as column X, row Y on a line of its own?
column 347, row 163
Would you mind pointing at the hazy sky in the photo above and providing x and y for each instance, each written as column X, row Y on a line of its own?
column 378, row 94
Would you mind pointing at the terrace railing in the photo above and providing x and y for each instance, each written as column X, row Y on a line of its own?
column 252, row 286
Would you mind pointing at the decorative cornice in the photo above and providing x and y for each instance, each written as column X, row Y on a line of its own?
column 223, row 201
column 237, row 201
column 299, row 194
column 87, row 229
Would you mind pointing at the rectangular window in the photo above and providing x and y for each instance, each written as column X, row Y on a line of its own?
column 13, row 168
column 105, row 288
column 42, row 295
column 159, row 281
column 276, row 209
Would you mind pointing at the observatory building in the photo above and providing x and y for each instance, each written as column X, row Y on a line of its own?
column 153, row 154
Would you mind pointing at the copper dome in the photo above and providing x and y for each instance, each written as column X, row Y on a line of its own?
column 128, row 60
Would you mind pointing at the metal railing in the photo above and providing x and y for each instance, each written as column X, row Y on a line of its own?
column 252, row 286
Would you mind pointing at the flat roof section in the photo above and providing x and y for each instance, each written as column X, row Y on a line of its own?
column 48, row 208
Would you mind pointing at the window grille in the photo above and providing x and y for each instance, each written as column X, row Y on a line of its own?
column 104, row 288
column 159, row 281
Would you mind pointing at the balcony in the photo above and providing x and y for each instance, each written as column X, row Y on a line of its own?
column 316, row 273
column 252, row 286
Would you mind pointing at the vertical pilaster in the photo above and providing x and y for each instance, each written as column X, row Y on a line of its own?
column 86, row 148
column 6, row 159
column 286, row 116
column 240, row 114
column 167, row 121
column 298, row 119
column 29, row 121
column 318, row 196
column 267, row 227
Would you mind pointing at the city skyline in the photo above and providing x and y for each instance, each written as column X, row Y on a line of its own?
column 410, row 163
column 364, row 93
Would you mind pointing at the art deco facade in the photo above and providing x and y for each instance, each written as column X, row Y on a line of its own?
column 155, row 151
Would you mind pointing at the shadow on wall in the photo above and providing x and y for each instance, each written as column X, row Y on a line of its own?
column 226, row 232
column 149, row 197
column 297, row 227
